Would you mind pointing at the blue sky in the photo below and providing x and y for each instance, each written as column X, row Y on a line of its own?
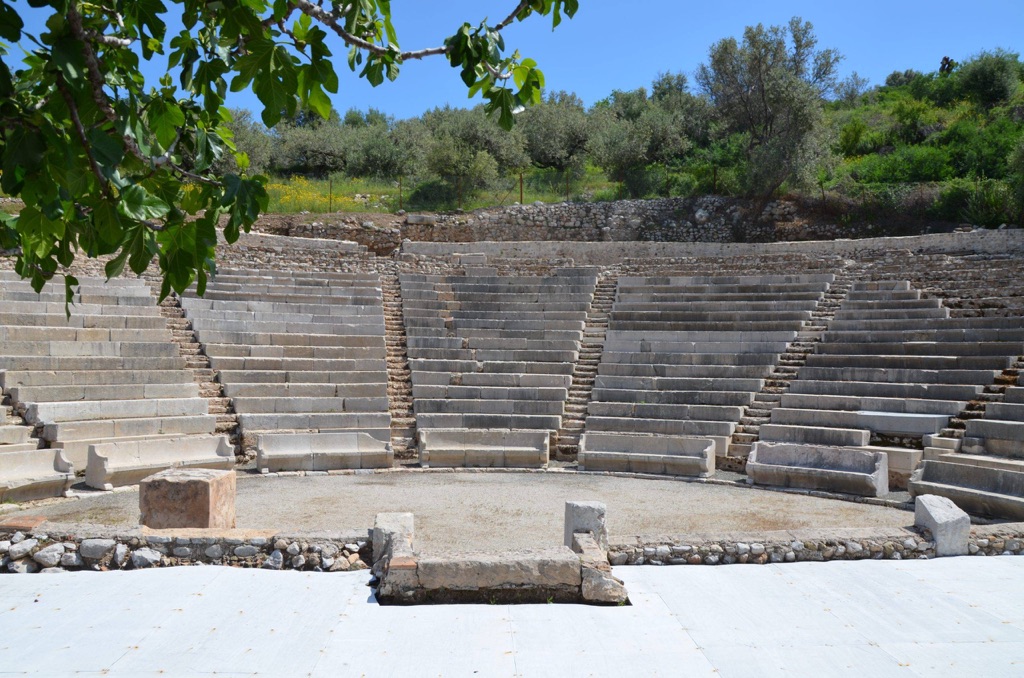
column 624, row 45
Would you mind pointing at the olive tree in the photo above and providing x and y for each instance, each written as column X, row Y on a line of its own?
column 770, row 88
column 99, row 157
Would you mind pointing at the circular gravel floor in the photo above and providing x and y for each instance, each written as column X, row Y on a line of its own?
column 499, row 510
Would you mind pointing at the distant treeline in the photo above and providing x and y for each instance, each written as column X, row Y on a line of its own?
column 764, row 115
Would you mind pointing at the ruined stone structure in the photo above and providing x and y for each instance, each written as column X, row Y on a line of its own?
column 849, row 367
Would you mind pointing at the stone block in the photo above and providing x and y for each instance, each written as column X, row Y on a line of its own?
column 389, row 526
column 182, row 498
column 586, row 517
column 950, row 526
column 542, row 569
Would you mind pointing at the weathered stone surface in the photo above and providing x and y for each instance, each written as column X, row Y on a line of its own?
column 49, row 556
column 388, row 526
column 145, row 557
column 586, row 516
column 22, row 549
column 181, row 498
column 275, row 561
column 96, row 549
column 550, row 568
column 23, row 566
column 950, row 526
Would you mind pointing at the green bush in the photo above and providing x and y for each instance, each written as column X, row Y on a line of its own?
column 980, row 203
column 905, row 164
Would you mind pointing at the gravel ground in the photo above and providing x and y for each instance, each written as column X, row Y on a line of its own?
column 499, row 511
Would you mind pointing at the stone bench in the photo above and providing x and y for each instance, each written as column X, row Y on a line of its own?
column 877, row 389
column 502, row 343
column 664, row 347
column 377, row 424
column 721, row 359
column 493, row 355
column 307, row 390
column 956, row 377
column 616, row 369
column 989, row 492
column 889, row 423
column 10, row 379
column 925, row 324
column 491, row 380
column 815, row 435
column 910, row 362
column 34, row 474
column 120, row 349
column 445, row 391
column 663, row 455
column 690, row 397
column 664, row 411
column 933, row 335
column 127, row 322
column 89, row 363
column 814, row 467
column 720, row 432
column 321, row 452
column 296, row 351
column 475, row 420
column 284, row 377
column 923, row 348
column 25, row 333
column 114, row 464
column 294, row 405
column 677, row 384
column 57, row 412
column 75, row 437
column 487, row 406
column 300, row 365
column 68, row 393
column 493, row 367
column 802, row 401
column 459, row 448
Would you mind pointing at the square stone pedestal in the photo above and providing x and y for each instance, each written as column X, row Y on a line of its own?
column 188, row 497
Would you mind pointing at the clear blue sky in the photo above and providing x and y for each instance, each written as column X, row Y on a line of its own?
column 624, row 45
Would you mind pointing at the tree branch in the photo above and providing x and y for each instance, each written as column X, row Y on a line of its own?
column 80, row 129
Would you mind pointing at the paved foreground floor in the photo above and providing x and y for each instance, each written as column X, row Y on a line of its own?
column 949, row 617
column 494, row 511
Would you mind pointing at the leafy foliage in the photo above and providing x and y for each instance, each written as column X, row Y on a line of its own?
column 107, row 166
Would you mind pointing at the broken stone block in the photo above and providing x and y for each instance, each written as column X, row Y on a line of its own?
column 950, row 526
column 188, row 498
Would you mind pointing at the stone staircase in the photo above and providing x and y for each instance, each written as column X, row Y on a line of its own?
column 993, row 394
column 585, row 370
column 198, row 364
column 403, row 420
column 790, row 362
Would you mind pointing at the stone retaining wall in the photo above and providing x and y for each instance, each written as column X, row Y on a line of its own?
column 806, row 545
column 134, row 549
column 615, row 253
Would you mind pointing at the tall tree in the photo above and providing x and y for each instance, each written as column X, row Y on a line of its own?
column 770, row 88
column 100, row 159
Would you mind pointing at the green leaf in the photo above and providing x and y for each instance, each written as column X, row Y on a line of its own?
column 137, row 203
column 107, row 222
column 10, row 23
column 165, row 119
column 107, row 150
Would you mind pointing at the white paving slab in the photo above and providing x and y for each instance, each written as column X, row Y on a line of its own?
column 946, row 617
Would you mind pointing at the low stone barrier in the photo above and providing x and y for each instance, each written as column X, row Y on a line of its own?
column 573, row 573
column 59, row 551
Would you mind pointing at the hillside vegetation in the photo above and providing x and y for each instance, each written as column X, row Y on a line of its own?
column 765, row 116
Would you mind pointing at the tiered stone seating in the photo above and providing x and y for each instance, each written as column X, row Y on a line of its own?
column 109, row 374
column 891, row 369
column 297, row 352
column 685, row 355
column 492, row 353
column 1001, row 432
column 321, row 452
column 990, row 492
column 835, row 469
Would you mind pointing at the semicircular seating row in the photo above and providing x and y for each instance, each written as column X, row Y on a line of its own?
column 104, row 391
column 303, row 359
column 491, row 359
